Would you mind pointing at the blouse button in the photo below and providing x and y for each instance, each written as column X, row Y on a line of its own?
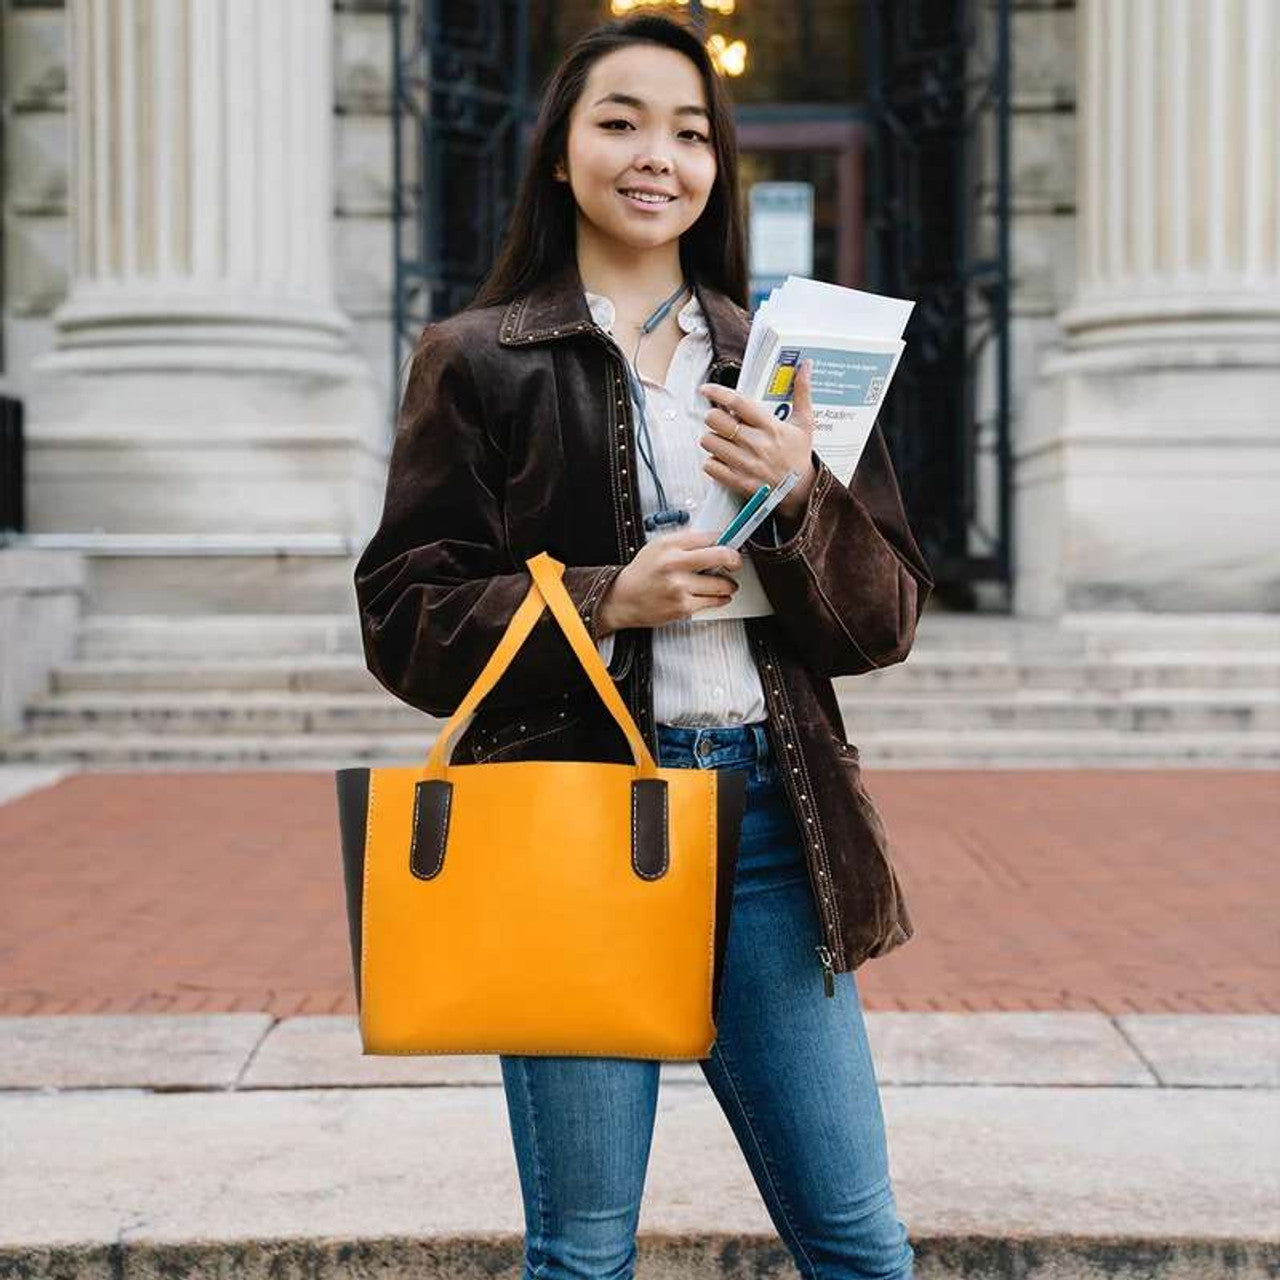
column 669, row 414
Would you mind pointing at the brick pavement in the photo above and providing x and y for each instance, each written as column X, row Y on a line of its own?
column 1112, row 890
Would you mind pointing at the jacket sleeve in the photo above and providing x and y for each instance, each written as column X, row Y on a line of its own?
column 436, row 585
column 849, row 584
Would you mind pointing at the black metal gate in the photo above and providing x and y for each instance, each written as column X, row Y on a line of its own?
column 939, row 233
column 459, row 88
column 938, row 230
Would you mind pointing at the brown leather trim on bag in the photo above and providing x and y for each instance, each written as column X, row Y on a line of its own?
column 650, row 849
column 731, row 803
column 353, row 822
column 432, row 798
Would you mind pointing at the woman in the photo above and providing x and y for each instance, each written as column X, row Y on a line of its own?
column 616, row 300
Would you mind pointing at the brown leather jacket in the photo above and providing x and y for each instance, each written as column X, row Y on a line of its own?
column 516, row 436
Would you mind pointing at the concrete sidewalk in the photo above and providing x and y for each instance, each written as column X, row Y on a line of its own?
column 1041, row 1145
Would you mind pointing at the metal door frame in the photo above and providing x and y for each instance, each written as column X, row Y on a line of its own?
column 940, row 76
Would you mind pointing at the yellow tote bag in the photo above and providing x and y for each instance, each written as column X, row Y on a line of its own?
column 539, row 906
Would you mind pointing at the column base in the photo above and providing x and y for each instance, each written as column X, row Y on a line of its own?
column 203, row 452
column 1145, row 478
column 172, row 576
column 179, row 329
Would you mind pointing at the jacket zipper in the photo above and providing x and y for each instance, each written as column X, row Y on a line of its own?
column 829, row 945
column 825, row 956
column 828, row 972
column 824, row 952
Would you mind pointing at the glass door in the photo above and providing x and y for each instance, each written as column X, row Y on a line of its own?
column 796, row 72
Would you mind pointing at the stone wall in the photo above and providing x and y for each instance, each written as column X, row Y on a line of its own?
column 41, row 600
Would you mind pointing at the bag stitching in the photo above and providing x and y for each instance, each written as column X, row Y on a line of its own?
column 713, row 809
column 413, row 837
column 442, row 842
column 666, row 854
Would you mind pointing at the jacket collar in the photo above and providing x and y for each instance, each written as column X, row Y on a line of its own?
column 557, row 306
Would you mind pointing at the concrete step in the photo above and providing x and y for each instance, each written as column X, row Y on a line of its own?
column 1028, row 1048
column 1136, row 710
column 218, row 712
column 221, row 635
column 1105, row 632
column 958, row 671
column 970, row 672
column 933, row 749
column 217, row 636
column 1125, row 690
column 1084, row 749
column 258, row 712
column 1021, row 1145
column 303, row 673
column 1113, row 631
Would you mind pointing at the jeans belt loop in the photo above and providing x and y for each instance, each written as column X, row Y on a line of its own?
column 762, row 751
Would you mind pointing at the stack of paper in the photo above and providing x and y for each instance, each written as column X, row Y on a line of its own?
column 855, row 342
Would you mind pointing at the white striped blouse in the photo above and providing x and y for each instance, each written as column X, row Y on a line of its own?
column 703, row 672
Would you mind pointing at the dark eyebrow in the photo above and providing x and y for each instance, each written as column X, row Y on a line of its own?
column 627, row 100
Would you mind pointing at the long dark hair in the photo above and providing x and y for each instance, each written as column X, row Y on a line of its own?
column 540, row 236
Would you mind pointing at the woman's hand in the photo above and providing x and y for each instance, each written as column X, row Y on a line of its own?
column 664, row 581
column 764, row 447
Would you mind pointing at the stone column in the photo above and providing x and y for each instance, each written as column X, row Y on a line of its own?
column 202, row 380
column 1149, row 451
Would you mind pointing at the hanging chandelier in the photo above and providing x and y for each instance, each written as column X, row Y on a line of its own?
column 728, row 56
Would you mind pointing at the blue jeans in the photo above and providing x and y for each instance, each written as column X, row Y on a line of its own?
column 790, row 1068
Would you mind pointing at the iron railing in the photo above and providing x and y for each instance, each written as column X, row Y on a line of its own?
column 939, row 233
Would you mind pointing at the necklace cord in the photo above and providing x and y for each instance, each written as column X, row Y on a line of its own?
column 665, row 514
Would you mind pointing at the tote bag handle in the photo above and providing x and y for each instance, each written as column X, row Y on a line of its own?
column 546, row 591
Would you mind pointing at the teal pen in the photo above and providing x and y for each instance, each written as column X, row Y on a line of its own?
column 744, row 515
column 752, row 504
column 765, row 509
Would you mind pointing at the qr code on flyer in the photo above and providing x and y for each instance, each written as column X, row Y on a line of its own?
column 874, row 387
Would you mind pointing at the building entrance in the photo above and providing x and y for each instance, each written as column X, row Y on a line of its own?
column 892, row 116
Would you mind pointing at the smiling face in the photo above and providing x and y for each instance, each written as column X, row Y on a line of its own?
column 640, row 125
